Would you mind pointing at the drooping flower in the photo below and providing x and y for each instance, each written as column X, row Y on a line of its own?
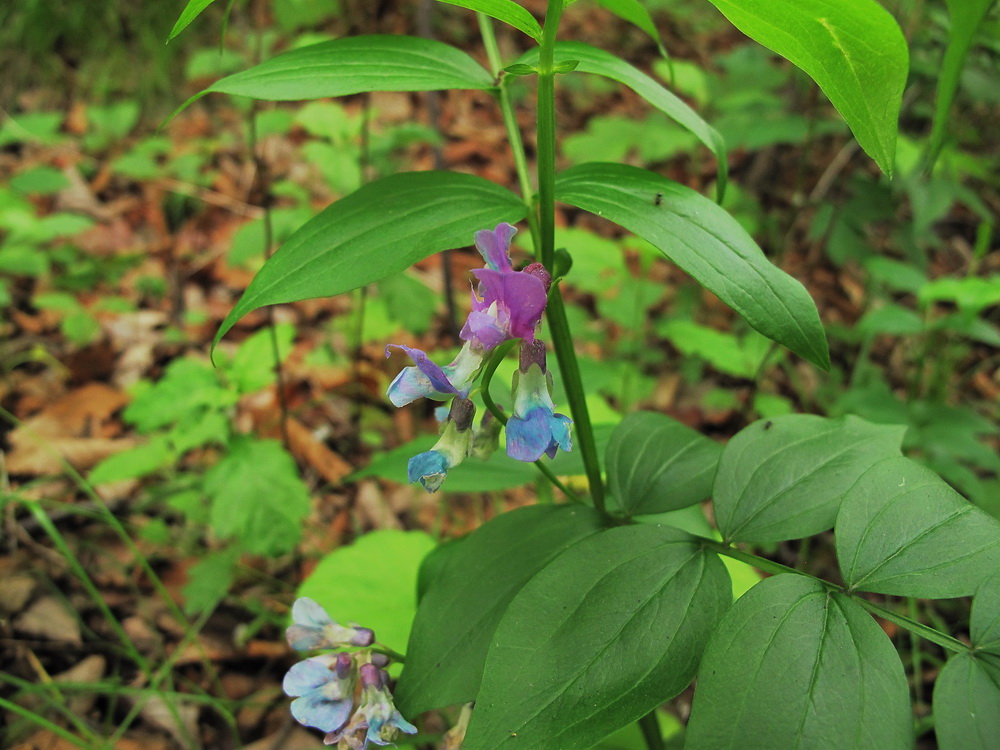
column 486, row 439
column 430, row 468
column 312, row 628
column 535, row 429
column 376, row 719
column 424, row 379
column 323, row 687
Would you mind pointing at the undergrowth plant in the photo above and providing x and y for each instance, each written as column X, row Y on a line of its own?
column 564, row 622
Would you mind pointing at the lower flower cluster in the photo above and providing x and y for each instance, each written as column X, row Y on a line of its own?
column 345, row 694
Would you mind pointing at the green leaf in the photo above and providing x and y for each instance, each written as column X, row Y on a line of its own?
column 636, row 14
column 902, row 531
column 375, row 232
column 356, row 64
column 458, row 615
column 784, row 478
column 191, row 11
column 853, row 49
column 984, row 625
column 705, row 241
column 188, row 388
column 253, row 365
column 507, row 11
column 794, row 665
column 40, row 180
column 257, row 497
column 372, row 582
column 656, row 464
column 598, row 62
column 605, row 633
column 966, row 16
column 142, row 460
column 967, row 704
column 210, row 579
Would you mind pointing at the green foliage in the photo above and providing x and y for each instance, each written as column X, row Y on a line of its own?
column 503, row 10
column 967, row 702
column 809, row 664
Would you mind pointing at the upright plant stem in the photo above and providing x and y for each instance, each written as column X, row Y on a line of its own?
column 562, row 339
column 651, row 733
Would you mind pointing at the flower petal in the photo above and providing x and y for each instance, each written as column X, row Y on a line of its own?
column 528, row 437
column 430, row 468
column 494, row 246
column 308, row 675
column 315, row 710
column 424, row 380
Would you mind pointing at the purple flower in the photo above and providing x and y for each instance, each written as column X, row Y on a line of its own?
column 376, row 719
column 312, row 628
column 325, row 689
column 430, row 468
column 535, row 429
column 426, row 380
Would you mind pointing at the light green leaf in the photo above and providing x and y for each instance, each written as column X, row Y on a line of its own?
column 257, row 497
column 598, row 62
column 636, row 14
column 793, row 665
column 656, row 464
column 142, row 460
column 705, row 241
column 377, row 231
column 902, row 531
column 605, row 633
column 191, row 11
column 507, row 11
column 966, row 16
column 967, row 704
column 459, row 613
column 209, row 579
column 853, row 49
column 356, row 64
column 784, row 478
column 372, row 582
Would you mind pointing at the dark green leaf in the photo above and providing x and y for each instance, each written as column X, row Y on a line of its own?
column 606, row 632
column 457, row 617
column 656, row 464
column 901, row 530
column 257, row 497
column 853, row 49
column 784, row 478
column 507, row 11
column 355, row 64
column 967, row 704
column 705, row 241
column 191, row 11
column 375, row 232
column 793, row 665
column 372, row 582
column 636, row 14
column 434, row 563
column 984, row 626
column 966, row 15
column 598, row 62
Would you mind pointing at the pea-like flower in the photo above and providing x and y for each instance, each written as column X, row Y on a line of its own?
column 430, row 468
column 312, row 628
column 535, row 429
column 324, row 686
column 376, row 719
column 424, row 379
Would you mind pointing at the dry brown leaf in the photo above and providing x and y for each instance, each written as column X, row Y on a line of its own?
column 91, row 669
column 78, row 427
column 308, row 449
column 15, row 590
column 49, row 618
column 296, row 739
column 46, row 740
column 179, row 720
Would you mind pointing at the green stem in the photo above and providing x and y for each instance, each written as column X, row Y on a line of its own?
column 651, row 733
column 769, row 566
column 44, row 723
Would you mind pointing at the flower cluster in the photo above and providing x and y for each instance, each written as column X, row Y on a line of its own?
column 344, row 694
column 506, row 304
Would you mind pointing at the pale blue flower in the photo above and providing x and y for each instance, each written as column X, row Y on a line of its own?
column 313, row 629
column 376, row 719
column 535, row 429
column 430, row 468
column 325, row 689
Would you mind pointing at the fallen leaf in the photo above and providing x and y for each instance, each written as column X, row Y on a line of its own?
column 90, row 669
column 49, row 618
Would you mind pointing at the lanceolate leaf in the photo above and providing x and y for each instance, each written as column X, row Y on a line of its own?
column 967, row 704
column 793, row 665
column 656, row 464
column 598, row 62
column 191, row 11
column 459, row 613
column 966, row 15
column 356, row 64
column 901, row 530
column 375, row 232
column 503, row 10
column 853, row 49
column 635, row 13
column 609, row 630
column 784, row 478
column 705, row 241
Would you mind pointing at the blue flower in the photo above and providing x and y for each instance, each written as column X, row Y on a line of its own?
column 424, row 379
column 376, row 719
column 535, row 429
column 325, row 689
column 313, row 629
column 430, row 468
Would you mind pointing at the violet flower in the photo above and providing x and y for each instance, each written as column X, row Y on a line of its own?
column 324, row 686
column 312, row 628
column 430, row 468
column 535, row 429
column 375, row 720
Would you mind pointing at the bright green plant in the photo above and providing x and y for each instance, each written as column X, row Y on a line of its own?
column 566, row 622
